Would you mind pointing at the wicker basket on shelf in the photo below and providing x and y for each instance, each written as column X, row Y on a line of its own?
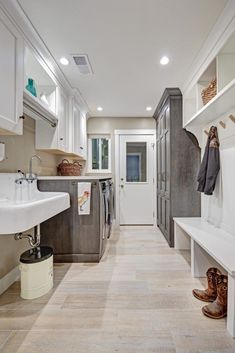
column 66, row 168
column 209, row 92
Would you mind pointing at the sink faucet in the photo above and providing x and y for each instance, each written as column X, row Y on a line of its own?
column 31, row 176
column 23, row 178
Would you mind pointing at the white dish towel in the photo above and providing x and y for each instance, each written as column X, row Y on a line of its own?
column 84, row 198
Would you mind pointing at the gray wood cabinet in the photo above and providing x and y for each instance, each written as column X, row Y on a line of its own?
column 178, row 161
column 74, row 238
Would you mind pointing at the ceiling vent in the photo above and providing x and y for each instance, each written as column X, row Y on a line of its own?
column 83, row 64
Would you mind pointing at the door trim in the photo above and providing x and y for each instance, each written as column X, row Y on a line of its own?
column 117, row 134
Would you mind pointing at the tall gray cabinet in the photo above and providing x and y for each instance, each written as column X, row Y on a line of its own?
column 178, row 161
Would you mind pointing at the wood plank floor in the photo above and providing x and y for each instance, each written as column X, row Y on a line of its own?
column 137, row 300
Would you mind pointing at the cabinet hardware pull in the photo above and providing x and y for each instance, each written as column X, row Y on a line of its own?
column 81, row 148
column 21, row 117
column 61, row 139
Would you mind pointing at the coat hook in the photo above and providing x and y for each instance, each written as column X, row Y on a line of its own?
column 206, row 132
column 222, row 124
column 232, row 117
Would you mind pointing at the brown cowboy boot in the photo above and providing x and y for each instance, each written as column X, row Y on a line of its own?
column 218, row 308
column 209, row 294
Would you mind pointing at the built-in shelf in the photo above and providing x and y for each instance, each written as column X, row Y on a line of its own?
column 35, row 108
column 45, row 103
column 215, row 108
column 63, row 153
column 196, row 115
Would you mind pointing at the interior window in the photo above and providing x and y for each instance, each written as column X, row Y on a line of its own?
column 100, row 153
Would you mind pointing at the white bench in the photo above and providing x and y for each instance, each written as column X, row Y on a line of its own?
column 210, row 246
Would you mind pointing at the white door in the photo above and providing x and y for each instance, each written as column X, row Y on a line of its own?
column 136, row 184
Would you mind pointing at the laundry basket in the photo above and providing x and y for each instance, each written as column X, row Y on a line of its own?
column 36, row 267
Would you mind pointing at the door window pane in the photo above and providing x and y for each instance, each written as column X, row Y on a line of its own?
column 136, row 162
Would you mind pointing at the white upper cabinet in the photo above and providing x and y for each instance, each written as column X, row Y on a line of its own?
column 83, row 136
column 55, row 138
column 30, row 86
column 78, row 131
column 11, row 74
column 63, row 123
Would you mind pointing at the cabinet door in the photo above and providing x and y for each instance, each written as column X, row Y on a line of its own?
column 79, row 125
column 54, row 138
column 83, row 136
column 62, row 123
column 164, row 216
column 76, row 129
column 11, row 73
column 167, row 153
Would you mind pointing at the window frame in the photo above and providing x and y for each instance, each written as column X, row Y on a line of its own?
column 99, row 171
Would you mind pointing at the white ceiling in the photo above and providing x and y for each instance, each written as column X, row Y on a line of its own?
column 125, row 40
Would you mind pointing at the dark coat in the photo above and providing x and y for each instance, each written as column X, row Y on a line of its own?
column 210, row 164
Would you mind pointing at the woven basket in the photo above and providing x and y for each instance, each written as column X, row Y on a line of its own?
column 209, row 92
column 65, row 168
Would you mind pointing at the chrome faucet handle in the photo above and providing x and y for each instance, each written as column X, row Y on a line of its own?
column 21, row 172
column 23, row 178
column 32, row 177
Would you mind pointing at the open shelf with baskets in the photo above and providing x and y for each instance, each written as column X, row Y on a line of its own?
column 213, row 92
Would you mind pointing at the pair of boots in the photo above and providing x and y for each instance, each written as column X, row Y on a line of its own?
column 215, row 293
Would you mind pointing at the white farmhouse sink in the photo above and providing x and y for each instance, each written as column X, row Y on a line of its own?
column 23, row 206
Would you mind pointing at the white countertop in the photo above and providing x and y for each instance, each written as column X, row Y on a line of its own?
column 83, row 177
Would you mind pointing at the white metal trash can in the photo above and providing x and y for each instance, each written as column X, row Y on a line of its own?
column 36, row 267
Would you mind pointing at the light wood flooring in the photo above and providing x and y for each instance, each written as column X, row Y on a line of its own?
column 137, row 300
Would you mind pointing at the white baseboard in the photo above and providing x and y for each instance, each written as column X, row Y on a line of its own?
column 9, row 279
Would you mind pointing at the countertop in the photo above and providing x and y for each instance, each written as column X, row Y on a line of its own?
column 83, row 177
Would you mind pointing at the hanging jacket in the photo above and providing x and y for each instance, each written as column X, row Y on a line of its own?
column 210, row 164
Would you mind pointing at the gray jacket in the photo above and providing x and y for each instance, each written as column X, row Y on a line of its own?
column 210, row 165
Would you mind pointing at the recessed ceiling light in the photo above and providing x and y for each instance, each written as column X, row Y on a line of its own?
column 164, row 60
column 148, row 109
column 99, row 109
column 64, row 61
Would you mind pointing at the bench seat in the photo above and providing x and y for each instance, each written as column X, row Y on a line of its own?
column 216, row 242
column 210, row 246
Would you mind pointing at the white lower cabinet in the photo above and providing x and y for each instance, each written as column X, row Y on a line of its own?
column 12, row 74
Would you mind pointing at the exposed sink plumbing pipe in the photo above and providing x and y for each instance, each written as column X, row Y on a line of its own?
column 34, row 240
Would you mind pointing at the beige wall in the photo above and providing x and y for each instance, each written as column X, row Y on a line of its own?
column 19, row 149
column 109, row 125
